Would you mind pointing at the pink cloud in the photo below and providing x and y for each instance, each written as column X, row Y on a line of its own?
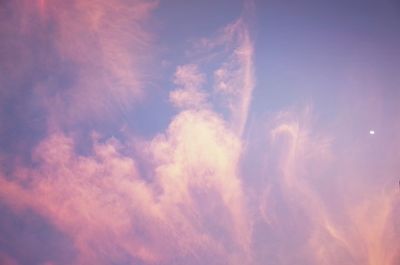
column 189, row 93
column 7, row 260
column 103, row 203
column 105, row 39
column 185, row 196
column 233, row 79
column 343, row 213
column 193, row 196
column 89, row 198
column 93, row 52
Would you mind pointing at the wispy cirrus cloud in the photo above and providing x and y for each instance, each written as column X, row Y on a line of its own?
column 234, row 79
column 329, row 201
column 231, row 50
column 76, row 61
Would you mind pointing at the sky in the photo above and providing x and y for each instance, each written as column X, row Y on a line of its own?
column 199, row 132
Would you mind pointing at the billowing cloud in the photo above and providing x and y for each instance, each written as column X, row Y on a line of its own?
column 113, row 214
column 189, row 208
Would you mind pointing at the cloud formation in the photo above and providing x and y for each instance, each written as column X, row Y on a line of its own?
column 76, row 60
column 343, row 211
column 293, row 191
column 234, row 79
column 192, row 194
column 189, row 94
column 194, row 198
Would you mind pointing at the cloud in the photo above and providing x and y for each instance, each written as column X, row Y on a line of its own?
column 203, row 173
column 294, row 191
column 105, row 39
column 229, row 55
column 232, row 50
column 89, row 198
column 112, row 214
column 76, row 60
column 6, row 260
column 189, row 93
column 234, row 79
column 342, row 212
column 100, row 198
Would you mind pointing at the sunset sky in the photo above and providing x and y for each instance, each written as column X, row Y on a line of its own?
column 181, row 132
